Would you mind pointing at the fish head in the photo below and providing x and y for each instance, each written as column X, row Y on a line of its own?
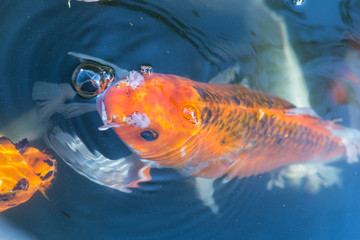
column 153, row 114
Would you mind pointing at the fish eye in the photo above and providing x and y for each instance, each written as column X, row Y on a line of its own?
column 149, row 135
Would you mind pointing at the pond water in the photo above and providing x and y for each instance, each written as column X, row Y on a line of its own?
column 307, row 52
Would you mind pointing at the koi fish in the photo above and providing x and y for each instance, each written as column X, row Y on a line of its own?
column 23, row 171
column 205, row 130
column 211, row 130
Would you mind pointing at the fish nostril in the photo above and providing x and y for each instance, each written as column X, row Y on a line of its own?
column 23, row 185
column 149, row 135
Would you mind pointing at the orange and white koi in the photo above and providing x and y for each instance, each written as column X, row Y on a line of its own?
column 210, row 130
column 23, row 171
column 205, row 130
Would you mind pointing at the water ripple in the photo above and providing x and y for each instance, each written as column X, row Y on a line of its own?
column 195, row 39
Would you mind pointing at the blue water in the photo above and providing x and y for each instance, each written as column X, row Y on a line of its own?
column 195, row 39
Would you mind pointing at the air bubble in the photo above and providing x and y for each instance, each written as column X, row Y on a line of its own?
column 145, row 69
column 297, row 2
column 91, row 79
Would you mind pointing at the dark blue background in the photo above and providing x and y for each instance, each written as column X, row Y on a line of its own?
column 195, row 39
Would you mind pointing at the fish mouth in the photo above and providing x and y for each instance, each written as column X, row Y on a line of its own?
column 133, row 80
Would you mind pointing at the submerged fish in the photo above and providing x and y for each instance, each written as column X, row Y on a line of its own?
column 211, row 130
column 23, row 171
column 205, row 130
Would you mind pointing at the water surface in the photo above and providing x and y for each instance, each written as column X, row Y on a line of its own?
column 195, row 39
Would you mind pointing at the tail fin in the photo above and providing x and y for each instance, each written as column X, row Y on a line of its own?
column 120, row 174
column 350, row 137
column 351, row 140
column 310, row 176
column 315, row 175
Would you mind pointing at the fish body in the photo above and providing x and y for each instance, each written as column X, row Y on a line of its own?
column 23, row 171
column 209, row 130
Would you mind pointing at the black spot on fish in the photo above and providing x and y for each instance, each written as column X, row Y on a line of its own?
column 247, row 102
column 253, row 128
column 214, row 121
column 21, row 145
column 206, row 115
column 221, row 125
column 49, row 174
column 279, row 141
column 49, row 162
column 221, row 111
column 236, row 122
column 23, row 185
column 227, row 100
column 262, row 123
column 149, row 135
column 235, row 100
column 204, row 94
column 200, row 91
column 6, row 197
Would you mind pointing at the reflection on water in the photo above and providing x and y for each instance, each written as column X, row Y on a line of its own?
column 196, row 39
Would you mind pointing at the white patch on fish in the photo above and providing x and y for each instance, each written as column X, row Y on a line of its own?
column 182, row 152
column 261, row 114
column 137, row 120
column 134, row 79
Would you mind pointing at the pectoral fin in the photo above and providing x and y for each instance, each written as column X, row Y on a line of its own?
column 205, row 191
column 120, row 174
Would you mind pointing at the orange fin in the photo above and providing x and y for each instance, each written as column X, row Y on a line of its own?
column 6, row 144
